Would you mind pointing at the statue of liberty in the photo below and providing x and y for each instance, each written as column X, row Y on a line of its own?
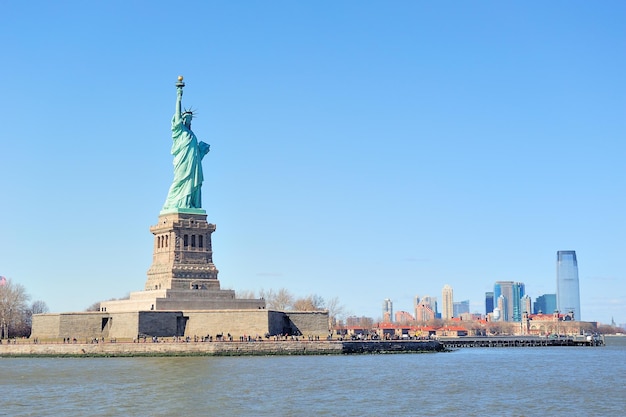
column 188, row 152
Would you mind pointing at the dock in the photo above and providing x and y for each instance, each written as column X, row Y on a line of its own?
column 519, row 341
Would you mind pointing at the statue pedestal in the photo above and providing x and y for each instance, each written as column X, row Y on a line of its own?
column 182, row 255
column 182, row 275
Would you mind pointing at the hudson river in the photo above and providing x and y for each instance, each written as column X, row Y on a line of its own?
column 540, row 381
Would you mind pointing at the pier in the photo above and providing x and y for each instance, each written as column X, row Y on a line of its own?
column 519, row 341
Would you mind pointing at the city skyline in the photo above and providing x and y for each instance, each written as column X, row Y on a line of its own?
column 508, row 298
column 358, row 151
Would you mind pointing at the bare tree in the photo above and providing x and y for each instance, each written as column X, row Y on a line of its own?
column 246, row 294
column 39, row 307
column 13, row 307
column 94, row 307
column 311, row 302
column 266, row 295
column 281, row 300
column 336, row 311
column 24, row 326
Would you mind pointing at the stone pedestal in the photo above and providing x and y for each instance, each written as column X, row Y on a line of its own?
column 182, row 275
column 182, row 255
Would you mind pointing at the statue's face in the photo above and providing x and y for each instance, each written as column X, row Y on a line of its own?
column 187, row 119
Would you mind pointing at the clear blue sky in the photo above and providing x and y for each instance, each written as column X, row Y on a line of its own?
column 364, row 150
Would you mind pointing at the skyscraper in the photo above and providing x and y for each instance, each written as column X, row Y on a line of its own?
column 518, row 294
column 501, row 310
column 526, row 304
column 567, row 287
column 511, row 310
column 387, row 310
column 425, row 308
column 545, row 304
column 461, row 307
column 489, row 302
column 432, row 302
column 448, row 302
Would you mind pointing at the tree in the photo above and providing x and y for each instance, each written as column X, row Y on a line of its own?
column 281, row 300
column 39, row 307
column 24, row 326
column 246, row 294
column 266, row 295
column 311, row 302
column 336, row 311
column 13, row 308
column 94, row 307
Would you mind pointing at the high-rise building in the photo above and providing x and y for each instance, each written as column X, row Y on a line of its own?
column 567, row 287
column 545, row 304
column 518, row 294
column 501, row 310
column 512, row 293
column 432, row 302
column 448, row 302
column 424, row 312
column 387, row 310
column 425, row 308
column 460, row 307
column 488, row 302
column 403, row 317
column 526, row 304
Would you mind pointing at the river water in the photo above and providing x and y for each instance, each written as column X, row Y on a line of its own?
column 540, row 381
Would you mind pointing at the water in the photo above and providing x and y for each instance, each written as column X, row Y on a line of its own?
column 560, row 381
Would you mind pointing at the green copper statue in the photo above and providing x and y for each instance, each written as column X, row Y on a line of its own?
column 188, row 153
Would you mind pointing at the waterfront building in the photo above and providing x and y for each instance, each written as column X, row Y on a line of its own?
column 461, row 307
column 387, row 310
column 545, row 303
column 567, row 286
column 448, row 302
column 488, row 302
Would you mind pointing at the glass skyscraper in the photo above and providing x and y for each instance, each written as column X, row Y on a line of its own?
column 387, row 310
column 460, row 307
column 567, row 288
column 488, row 302
column 545, row 304
column 512, row 293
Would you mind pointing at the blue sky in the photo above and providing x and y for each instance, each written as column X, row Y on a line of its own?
column 363, row 150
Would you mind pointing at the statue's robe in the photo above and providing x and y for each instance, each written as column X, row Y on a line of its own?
column 185, row 191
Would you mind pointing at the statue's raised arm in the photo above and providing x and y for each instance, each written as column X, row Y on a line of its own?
column 185, row 191
column 179, row 99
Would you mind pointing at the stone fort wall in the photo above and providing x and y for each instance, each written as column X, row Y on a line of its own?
column 169, row 348
column 130, row 325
